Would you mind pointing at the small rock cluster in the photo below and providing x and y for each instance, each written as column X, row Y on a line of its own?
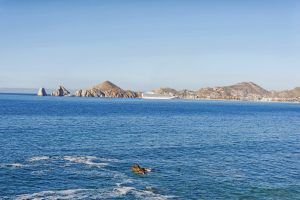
column 61, row 91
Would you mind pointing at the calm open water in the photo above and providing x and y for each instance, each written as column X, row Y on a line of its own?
column 83, row 148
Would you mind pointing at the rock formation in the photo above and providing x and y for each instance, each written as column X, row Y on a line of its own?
column 42, row 92
column 106, row 89
column 139, row 170
column 61, row 91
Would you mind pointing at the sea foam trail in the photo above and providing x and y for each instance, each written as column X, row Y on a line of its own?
column 149, row 195
column 57, row 194
column 119, row 191
column 87, row 160
column 122, row 190
column 72, row 158
column 38, row 158
column 12, row 165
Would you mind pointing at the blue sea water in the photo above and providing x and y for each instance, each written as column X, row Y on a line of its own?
column 83, row 148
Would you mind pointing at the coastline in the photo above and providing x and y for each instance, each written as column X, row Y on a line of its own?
column 177, row 99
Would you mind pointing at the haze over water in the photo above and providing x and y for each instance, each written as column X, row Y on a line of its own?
column 80, row 148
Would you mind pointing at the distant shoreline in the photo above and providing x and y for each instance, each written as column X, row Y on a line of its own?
column 178, row 99
column 243, row 91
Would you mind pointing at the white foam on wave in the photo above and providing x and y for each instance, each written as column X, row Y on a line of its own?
column 87, row 160
column 122, row 190
column 76, row 194
column 12, row 165
column 73, row 158
column 38, row 158
column 149, row 195
column 57, row 194
column 16, row 165
column 119, row 191
column 109, row 159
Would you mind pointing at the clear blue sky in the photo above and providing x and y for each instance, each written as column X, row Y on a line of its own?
column 146, row 44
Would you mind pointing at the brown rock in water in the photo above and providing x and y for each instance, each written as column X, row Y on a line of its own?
column 106, row 89
column 139, row 170
column 61, row 91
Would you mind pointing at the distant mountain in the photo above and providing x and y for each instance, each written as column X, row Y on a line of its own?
column 240, row 91
column 286, row 95
column 106, row 89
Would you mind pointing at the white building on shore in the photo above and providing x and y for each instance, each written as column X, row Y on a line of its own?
column 152, row 95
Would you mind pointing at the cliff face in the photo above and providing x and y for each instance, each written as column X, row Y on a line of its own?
column 106, row 89
column 61, row 91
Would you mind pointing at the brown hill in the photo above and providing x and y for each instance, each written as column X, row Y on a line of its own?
column 240, row 91
column 106, row 89
column 293, row 94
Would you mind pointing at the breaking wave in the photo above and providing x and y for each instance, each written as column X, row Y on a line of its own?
column 12, row 165
column 57, row 194
column 38, row 158
column 125, row 186
column 87, row 160
column 119, row 191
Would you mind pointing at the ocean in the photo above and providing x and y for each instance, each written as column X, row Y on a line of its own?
column 83, row 148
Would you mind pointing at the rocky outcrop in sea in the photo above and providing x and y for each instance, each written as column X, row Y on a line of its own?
column 61, row 91
column 41, row 92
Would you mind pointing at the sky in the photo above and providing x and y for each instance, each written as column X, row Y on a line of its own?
column 146, row 44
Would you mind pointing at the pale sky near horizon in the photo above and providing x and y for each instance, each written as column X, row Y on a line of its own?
column 142, row 45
